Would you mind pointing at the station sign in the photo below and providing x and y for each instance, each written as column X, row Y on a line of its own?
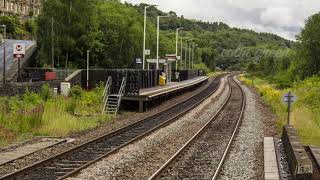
column 19, row 50
column 139, row 61
column 147, row 52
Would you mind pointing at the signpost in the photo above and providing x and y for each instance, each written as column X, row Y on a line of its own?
column 289, row 98
column 139, row 63
column 147, row 52
column 19, row 50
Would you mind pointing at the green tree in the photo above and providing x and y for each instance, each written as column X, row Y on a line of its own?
column 309, row 45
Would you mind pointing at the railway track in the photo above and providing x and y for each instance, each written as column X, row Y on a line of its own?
column 204, row 154
column 72, row 161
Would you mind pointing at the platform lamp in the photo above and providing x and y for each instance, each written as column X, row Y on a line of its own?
column 189, row 47
column 158, row 33
column 193, row 47
column 177, row 39
column 144, row 34
column 4, row 52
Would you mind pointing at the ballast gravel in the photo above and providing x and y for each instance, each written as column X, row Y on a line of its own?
column 118, row 122
column 142, row 158
column 245, row 160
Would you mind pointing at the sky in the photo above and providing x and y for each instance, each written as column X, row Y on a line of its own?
column 285, row 18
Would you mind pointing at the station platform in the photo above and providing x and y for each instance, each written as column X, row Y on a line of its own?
column 149, row 94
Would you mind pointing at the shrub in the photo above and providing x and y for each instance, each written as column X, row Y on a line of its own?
column 46, row 92
column 76, row 92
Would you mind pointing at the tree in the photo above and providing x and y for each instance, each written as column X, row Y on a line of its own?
column 309, row 45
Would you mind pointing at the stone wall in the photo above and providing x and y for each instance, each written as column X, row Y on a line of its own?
column 12, row 89
column 298, row 160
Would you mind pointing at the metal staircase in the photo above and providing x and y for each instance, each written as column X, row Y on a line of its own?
column 113, row 101
column 106, row 92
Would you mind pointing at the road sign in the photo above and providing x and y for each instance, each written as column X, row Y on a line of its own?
column 147, row 52
column 19, row 50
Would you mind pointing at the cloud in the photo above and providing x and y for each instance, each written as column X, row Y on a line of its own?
column 282, row 17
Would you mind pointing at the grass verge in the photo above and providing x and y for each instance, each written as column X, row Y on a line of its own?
column 306, row 111
column 42, row 114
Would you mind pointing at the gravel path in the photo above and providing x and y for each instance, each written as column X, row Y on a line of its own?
column 121, row 121
column 141, row 159
column 245, row 160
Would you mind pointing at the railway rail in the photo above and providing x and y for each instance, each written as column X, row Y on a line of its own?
column 72, row 161
column 202, row 157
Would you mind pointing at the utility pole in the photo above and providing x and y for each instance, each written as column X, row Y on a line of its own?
column 52, row 43
column 88, row 56
column 4, row 52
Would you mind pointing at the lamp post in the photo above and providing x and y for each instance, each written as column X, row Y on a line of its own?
column 88, row 56
column 4, row 52
column 193, row 46
column 177, row 39
column 158, row 33
column 52, row 43
column 144, row 35
column 186, row 55
column 189, row 46
column 181, row 52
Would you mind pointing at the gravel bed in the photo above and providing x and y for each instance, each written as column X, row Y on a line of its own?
column 122, row 120
column 201, row 157
column 245, row 160
column 141, row 159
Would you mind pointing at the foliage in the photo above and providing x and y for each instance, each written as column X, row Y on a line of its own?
column 305, row 113
column 15, row 28
column 113, row 32
column 43, row 114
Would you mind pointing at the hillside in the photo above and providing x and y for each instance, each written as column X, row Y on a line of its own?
column 114, row 31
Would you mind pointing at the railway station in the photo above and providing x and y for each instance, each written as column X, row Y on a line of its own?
column 128, row 90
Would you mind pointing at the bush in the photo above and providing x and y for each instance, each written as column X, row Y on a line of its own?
column 46, row 92
column 203, row 67
column 76, row 92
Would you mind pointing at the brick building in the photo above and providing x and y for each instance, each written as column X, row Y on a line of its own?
column 20, row 7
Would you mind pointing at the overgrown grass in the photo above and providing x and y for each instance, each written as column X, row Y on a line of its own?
column 42, row 114
column 306, row 111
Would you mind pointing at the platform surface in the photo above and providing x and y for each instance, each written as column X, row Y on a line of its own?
column 170, row 87
column 28, row 149
column 271, row 171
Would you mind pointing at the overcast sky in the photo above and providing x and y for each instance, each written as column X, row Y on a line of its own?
column 282, row 17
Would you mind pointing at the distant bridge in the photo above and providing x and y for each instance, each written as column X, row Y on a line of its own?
column 11, row 64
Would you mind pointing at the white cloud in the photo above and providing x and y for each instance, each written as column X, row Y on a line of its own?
column 282, row 17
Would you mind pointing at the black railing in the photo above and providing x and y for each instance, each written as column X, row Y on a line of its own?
column 136, row 79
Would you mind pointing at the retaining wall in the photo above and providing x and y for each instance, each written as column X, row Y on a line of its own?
column 13, row 89
column 298, row 160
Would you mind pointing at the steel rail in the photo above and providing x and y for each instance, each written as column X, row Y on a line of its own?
column 65, row 153
column 217, row 173
column 186, row 145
